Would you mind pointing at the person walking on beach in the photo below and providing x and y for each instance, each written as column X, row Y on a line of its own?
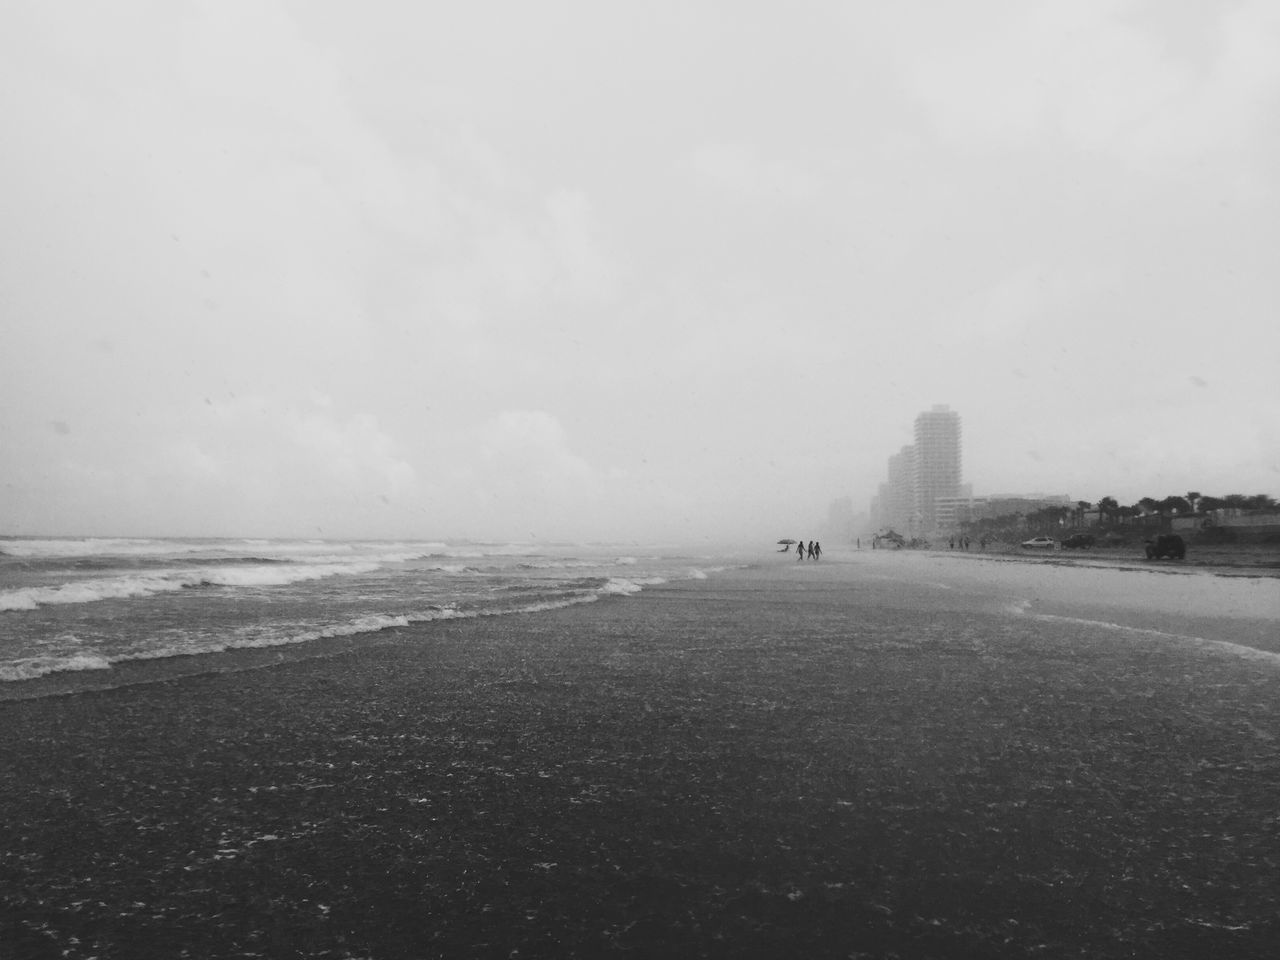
column 817, row 550
column 811, row 554
column 799, row 549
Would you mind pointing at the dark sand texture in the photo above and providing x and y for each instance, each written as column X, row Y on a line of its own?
column 774, row 763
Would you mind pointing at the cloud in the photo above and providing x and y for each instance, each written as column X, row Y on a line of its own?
column 1098, row 77
column 581, row 269
column 741, row 172
column 528, row 452
column 265, row 461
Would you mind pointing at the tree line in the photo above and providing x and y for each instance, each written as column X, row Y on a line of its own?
column 1112, row 515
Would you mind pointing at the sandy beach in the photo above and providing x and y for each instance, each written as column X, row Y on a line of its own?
column 872, row 756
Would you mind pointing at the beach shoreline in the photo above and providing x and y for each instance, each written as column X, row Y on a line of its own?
column 1222, row 561
column 802, row 759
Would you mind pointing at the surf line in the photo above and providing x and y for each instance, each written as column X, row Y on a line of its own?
column 1021, row 608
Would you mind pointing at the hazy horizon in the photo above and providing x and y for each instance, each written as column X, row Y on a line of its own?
column 573, row 271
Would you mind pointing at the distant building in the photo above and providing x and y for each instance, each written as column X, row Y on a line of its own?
column 919, row 496
column 951, row 512
column 937, row 464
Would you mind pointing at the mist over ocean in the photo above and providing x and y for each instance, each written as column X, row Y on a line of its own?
column 86, row 604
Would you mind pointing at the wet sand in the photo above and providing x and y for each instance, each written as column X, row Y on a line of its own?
column 871, row 756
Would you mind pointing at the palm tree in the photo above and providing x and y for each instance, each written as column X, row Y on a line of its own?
column 1082, row 507
column 1107, row 508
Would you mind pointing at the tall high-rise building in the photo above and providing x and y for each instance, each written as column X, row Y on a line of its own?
column 937, row 463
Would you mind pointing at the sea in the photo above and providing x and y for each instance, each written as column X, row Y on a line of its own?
column 90, row 604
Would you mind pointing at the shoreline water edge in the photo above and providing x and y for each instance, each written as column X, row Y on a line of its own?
column 94, row 613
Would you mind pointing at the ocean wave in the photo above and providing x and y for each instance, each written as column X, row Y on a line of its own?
column 128, row 587
column 622, row 586
column 86, row 591
column 32, row 667
column 450, row 568
column 478, row 551
column 586, row 592
column 568, row 564
column 215, row 550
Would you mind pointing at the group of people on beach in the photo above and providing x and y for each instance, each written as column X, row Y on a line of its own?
column 814, row 549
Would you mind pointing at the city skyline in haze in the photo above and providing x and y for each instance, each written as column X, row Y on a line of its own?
column 580, row 271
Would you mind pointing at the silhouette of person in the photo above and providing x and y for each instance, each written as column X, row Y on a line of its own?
column 817, row 550
column 799, row 549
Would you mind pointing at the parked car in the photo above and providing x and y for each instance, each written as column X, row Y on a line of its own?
column 1078, row 541
column 1047, row 543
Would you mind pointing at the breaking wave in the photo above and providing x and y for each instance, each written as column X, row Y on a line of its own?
column 32, row 667
column 125, row 587
column 621, row 586
column 587, row 590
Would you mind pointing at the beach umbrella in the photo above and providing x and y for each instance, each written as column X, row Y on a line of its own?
column 786, row 541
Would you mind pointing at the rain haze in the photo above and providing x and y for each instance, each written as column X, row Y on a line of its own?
column 604, row 271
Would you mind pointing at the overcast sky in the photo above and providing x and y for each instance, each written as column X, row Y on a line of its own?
column 625, row 270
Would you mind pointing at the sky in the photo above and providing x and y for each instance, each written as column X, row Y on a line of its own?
column 625, row 271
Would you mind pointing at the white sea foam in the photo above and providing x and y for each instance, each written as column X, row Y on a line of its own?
column 272, row 576
column 566, row 564
column 32, row 667
column 373, row 624
column 125, row 587
column 421, row 592
column 86, row 591
column 625, row 587
column 546, row 605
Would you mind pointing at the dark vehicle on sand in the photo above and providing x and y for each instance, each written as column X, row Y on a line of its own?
column 1078, row 541
column 1168, row 545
